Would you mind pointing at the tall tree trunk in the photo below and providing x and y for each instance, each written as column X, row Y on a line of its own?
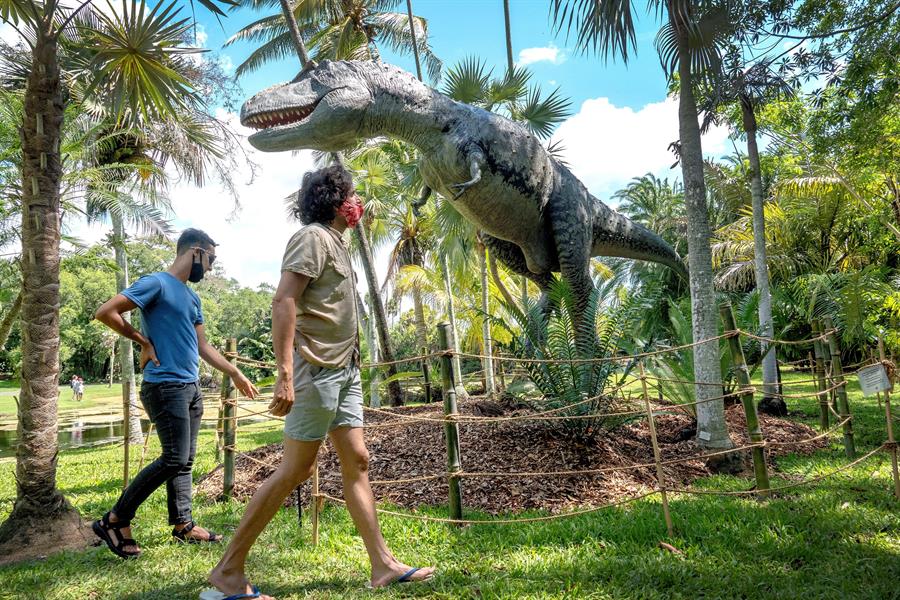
column 711, row 428
column 387, row 354
column 10, row 317
column 451, row 315
column 488, row 363
column 41, row 517
column 421, row 325
column 126, row 349
column 510, row 65
column 495, row 273
column 367, row 324
column 415, row 41
column 760, row 266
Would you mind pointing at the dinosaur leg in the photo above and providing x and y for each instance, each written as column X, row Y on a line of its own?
column 573, row 238
column 512, row 256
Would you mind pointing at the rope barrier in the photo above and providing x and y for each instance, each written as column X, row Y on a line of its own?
column 786, row 486
column 565, row 515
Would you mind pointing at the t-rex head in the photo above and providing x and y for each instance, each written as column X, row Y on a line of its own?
column 322, row 109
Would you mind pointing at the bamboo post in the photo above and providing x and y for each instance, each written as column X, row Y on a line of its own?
column 126, row 387
column 890, row 426
column 314, row 505
column 451, row 431
column 743, row 377
column 822, row 373
column 818, row 368
column 229, row 423
column 660, row 476
column 426, row 374
column 837, row 376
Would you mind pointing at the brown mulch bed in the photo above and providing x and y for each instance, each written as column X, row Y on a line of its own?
column 416, row 448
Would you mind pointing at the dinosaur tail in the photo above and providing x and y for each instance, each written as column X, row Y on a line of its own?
column 617, row 235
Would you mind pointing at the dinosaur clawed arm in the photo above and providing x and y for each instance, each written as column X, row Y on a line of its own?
column 476, row 162
column 423, row 199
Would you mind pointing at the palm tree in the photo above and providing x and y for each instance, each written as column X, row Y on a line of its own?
column 131, row 62
column 690, row 45
column 338, row 30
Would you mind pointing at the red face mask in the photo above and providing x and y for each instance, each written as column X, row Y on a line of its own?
column 351, row 210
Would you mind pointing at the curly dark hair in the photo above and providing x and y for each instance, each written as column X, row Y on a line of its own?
column 321, row 194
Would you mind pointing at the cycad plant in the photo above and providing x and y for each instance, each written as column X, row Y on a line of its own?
column 569, row 385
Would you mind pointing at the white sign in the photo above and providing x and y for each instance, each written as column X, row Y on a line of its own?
column 873, row 379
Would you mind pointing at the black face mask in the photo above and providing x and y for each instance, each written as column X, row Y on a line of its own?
column 197, row 272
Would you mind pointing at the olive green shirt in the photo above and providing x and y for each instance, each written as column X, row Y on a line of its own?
column 327, row 331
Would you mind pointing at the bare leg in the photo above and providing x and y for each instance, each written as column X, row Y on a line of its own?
column 351, row 450
column 296, row 467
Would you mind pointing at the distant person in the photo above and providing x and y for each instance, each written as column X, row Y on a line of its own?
column 72, row 384
column 79, row 389
column 172, row 343
column 315, row 332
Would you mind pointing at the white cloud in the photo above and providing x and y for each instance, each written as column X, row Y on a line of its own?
column 606, row 146
column 549, row 53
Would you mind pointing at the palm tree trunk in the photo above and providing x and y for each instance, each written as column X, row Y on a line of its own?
column 126, row 349
column 492, row 266
column 486, row 325
column 10, row 317
column 387, row 355
column 40, row 510
column 711, row 428
column 412, row 35
column 367, row 324
column 451, row 315
column 767, row 328
column 510, row 65
column 421, row 326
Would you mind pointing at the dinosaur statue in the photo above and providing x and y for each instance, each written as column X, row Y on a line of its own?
column 534, row 214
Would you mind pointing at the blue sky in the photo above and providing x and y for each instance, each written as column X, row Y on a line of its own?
column 462, row 28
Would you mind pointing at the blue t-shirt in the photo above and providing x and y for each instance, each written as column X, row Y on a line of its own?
column 170, row 310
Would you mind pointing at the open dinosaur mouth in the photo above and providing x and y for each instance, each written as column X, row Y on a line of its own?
column 280, row 117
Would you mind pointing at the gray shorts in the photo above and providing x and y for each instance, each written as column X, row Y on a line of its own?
column 324, row 399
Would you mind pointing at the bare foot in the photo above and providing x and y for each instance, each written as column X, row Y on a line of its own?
column 390, row 575
column 232, row 582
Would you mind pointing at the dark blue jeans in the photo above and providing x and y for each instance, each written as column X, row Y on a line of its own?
column 175, row 409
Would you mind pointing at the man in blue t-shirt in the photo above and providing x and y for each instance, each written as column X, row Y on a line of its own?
column 172, row 343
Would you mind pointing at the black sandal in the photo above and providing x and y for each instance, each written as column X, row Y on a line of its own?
column 182, row 535
column 102, row 529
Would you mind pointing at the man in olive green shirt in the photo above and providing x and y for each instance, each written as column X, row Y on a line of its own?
column 318, row 391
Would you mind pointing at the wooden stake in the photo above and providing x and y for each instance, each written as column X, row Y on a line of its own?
column 819, row 370
column 229, row 423
column 837, row 377
column 890, row 426
column 743, row 377
column 426, row 374
column 126, row 387
column 451, row 431
column 660, row 476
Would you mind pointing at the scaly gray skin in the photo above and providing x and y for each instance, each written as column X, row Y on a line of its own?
column 537, row 217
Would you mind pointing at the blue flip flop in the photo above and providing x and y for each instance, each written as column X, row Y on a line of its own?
column 405, row 578
column 217, row 595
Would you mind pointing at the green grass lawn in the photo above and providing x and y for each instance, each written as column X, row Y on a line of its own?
column 96, row 395
column 837, row 539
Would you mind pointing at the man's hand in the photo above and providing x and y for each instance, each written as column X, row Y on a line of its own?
column 284, row 395
column 244, row 385
column 148, row 353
